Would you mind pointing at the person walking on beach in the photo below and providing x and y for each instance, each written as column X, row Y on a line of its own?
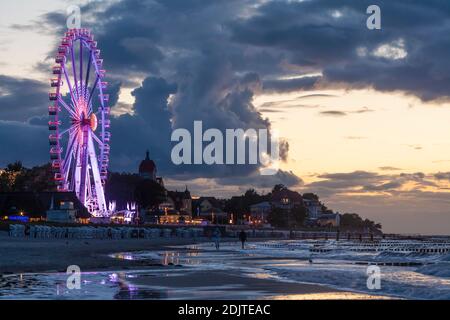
column 216, row 238
column 243, row 237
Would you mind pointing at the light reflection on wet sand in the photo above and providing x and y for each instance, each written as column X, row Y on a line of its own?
column 327, row 296
column 192, row 272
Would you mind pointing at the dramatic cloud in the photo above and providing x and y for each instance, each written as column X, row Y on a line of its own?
column 23, row 142
column 311, row 36
column 364, row 182
column 207, row 60
column 303, row 83
column 21, row 99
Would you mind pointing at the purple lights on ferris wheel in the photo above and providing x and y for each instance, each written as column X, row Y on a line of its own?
column 79, row 121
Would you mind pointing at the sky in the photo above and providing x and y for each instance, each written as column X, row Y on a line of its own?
column 363, row 114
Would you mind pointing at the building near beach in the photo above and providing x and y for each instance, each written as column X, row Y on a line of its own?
column 329, row 220
column 148, row 170
column 314, row 208
column 286, row 199
column 36, row 205
column 260, row 211
column 210, row 208
column 66, row 213
column 181, row 201
column 177, row 205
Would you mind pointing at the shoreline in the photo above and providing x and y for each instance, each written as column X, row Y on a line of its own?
column 40, row 256
column 28, row 255
column 25, row 255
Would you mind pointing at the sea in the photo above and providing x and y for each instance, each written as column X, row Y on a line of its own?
column 392, row 269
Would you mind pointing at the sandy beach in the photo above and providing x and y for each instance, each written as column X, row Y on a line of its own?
column 27, row 255
column 177, row 281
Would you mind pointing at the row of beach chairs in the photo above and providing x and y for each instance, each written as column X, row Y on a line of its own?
column 90, row 232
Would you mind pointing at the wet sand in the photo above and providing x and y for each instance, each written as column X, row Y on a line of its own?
column 19, row 255
column 232, row 285
column 229, row 281
column 24, row 255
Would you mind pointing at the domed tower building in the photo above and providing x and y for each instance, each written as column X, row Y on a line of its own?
column 147, row 168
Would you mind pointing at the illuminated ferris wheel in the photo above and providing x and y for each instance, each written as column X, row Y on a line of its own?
column 79, row 121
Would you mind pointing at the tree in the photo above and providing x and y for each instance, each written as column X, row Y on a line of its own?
column 277, row 218
column 354, row 222
column 15, row 167
column 240, row 205
column 293, row 218
column 278, row 187
column 310, row 196
column 17, row 178
column 297, row 216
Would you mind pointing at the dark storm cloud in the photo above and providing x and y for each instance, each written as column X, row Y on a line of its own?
column 38, row 121
column 304, row 83
column 325, row 35
column 212, row 57
column 368, row 182
column 276, row 37
column 151, row 102
column 21, row 99
column 21, row 141
column 114, row 91
column 149, row 127
column 255, row 180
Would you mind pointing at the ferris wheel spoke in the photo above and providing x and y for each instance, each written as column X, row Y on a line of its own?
column 69, row 155
column 96, row 177
column 87, row 75
column 67, row 167
column 97, row 139
column 72, row 96
column 90, row 108
column 68, row 130
column 92, row 90
column 74, row 69
column 81, row 68
column 69, row 109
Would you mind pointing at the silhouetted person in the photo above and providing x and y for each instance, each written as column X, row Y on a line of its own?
column 216, row 238
column 243, row 237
